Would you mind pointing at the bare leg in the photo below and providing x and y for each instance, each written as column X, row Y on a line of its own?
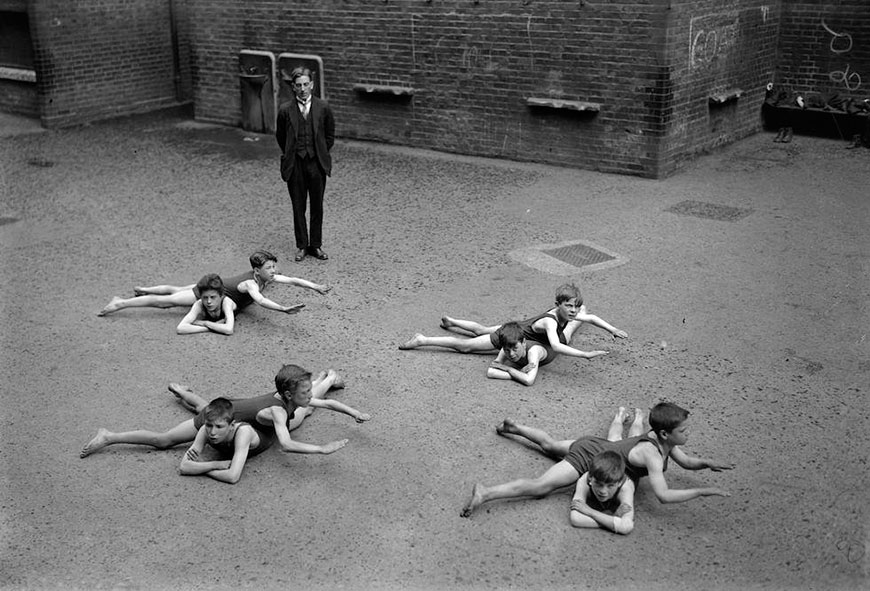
column 636, row 426
column 556, row 477
column 467, row 326
column 161, row 289
column 181, row 433
column 549, row 446
column 571, row 328
column 181, row 298
column 615, row 431
column 187, row 399
column 481, row 344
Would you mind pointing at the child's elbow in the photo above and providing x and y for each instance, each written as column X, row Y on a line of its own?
column 623, row 526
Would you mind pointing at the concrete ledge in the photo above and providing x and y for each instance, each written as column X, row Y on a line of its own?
column 732, row 94
column 563, row 104
column 389, row 89
column 19, row 74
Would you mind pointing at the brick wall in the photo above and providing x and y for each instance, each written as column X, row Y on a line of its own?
column 103, row 58
column 472, row 65
column 824, row 47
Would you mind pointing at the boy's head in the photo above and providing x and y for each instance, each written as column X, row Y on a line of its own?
column 294, row 385
column 606, row 475
column 210, row 289
column 261, row 257
column 218, row 419
column 666, row 419
column 512, row 341
column 568, row 291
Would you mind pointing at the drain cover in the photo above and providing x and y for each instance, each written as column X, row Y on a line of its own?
column 567, row 258
column 579, row 255
column 710, row 211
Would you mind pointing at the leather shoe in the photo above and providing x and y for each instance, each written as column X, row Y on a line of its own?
column 319, row 254
column 300, row 254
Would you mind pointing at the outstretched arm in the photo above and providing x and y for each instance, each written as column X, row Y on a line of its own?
column 582, row 515
column 500, row 370
column 190, row 464
column 653, row 461
column 359, row 417
column 253, row 289
column 548, row 326
column 288, row 445
column 319, row 288
column 688, row 462
column 584, row 316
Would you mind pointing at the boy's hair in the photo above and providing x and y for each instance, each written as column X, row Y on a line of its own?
column 218, row 409
column 300, row 71
column 607, row 467
column 566, row 291
column 261, row 257
column 509, row 335
column 210, row 281
column 289, row 377
column 666, row 416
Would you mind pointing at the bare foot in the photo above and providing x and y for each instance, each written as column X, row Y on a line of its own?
column 112, row 306
column 507, row 426
column 337, row 380
column 413, row 343
column 99, row 441
column 320, row 376
column 622, row 415
column 186, row 397
column 140, row 291
column 447, row 322
column 474, row 503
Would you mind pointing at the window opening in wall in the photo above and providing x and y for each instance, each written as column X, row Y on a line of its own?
column 16, row 47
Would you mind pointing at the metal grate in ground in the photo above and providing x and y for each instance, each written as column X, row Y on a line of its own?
column 710, row 211
column 579, row 255
column 567, row 258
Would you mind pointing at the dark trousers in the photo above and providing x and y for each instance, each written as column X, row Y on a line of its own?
column 307, row 180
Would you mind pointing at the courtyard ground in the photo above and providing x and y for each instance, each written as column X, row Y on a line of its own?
column 755, row 318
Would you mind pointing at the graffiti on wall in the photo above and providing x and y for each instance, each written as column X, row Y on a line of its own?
column 713, row 38
column 841, row 44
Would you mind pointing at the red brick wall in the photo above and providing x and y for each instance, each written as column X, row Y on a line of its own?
column 824, row 47
column 102, row 58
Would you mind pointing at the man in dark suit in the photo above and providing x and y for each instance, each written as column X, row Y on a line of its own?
column 306, row 133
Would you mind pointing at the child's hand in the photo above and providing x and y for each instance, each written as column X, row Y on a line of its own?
column 192, row 455
column 224, row 465
column 719, row 467
column 579, row 506
column 293, row 309
column 619, row 334
column 592, row 354
column 333, row 446
column 363, row 417
column 323, row 289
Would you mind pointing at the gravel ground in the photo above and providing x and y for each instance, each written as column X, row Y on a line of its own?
column 757, row 324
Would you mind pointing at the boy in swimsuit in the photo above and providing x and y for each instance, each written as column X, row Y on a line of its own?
column 644, row 455
column 230, row 441
column 552, row 331
column 604, row 496
column 296, row 398
column 243, row 289
column 212, row 312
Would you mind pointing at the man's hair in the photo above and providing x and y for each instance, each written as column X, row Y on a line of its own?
column 261, row 257
column 300, row 71
column 566, row 291
column 289, row 377
column 210, row 281
column 217, row 410
column 666, row 416
column 607, row 467
column 509, row 335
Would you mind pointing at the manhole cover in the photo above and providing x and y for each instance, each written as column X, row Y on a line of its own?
column 579, row 255
column 5, row 220
column 710, row 211
column 567, row 258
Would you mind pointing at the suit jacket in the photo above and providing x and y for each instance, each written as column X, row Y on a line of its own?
column 289, row 119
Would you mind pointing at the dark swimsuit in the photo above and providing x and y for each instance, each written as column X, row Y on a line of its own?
column 581, row 452
column 245, row 410
column 539, row 338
